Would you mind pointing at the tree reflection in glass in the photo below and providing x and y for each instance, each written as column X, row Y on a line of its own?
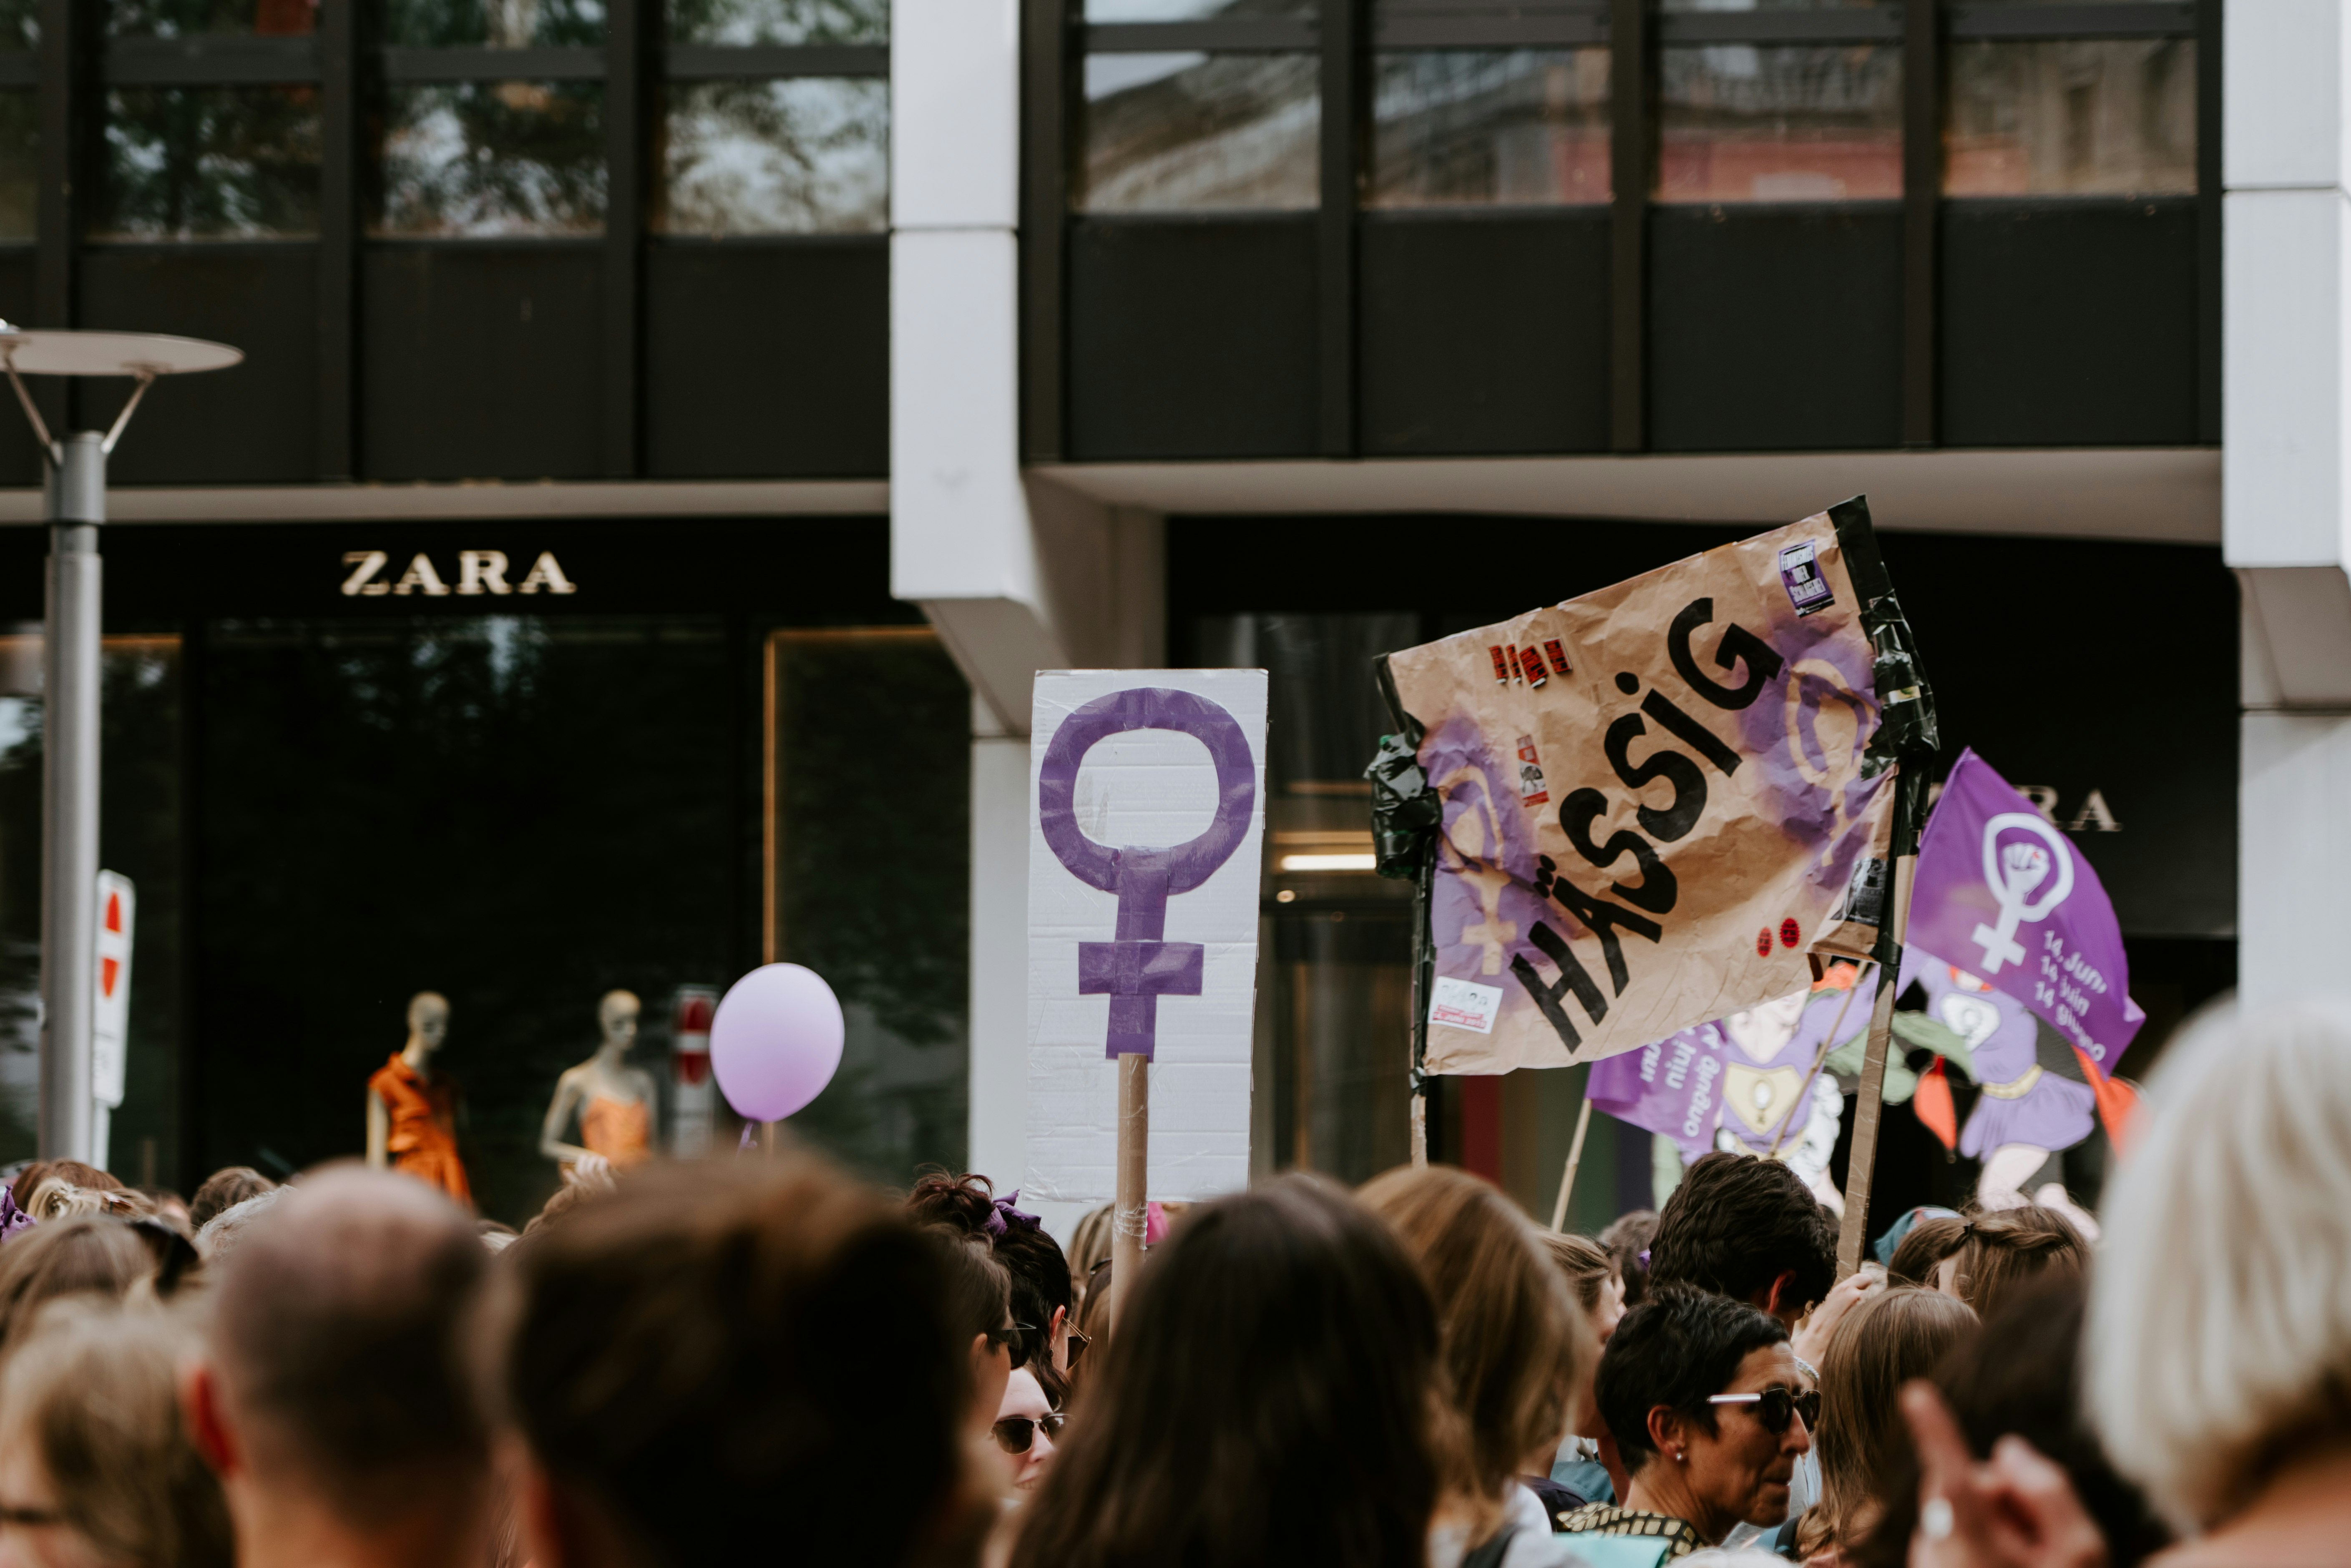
column 209, row 162
column 187, row 18
column 808, row 155
column 1191, row 132
column 499, row 24
column 470, row 159
column 741, row 22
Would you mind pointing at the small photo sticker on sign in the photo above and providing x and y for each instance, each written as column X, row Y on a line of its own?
column 1464, row 1004
column 1800, row 571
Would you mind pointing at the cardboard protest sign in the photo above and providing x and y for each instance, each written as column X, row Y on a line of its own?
column 1660, row 800
column 2002, row 895
column 1147, row 820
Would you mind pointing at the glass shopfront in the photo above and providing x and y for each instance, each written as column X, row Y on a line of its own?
column 684, row 749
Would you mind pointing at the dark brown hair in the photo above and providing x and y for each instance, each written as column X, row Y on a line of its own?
column 1923, row 1248
column 94, row 1254
column 1889, row 1339
column 674, row 1356
column 1735, row 1224
column 1627, row 1240
column 225, row 1189
column 1513, row 1345
column 1040, row 1274
column 1997, row 1252
column 1268, row 1401
column 2023, row 1374
column 339, row 1333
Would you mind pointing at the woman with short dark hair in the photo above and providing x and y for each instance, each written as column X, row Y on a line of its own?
column 1710, row 1415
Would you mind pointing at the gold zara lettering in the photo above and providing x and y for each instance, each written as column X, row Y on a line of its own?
column 479, row 571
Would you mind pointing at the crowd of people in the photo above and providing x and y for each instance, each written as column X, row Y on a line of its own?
column 763, row 1358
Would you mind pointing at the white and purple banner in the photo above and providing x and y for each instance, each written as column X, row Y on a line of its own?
column 1672, row 1086
column 1147, row 817
column 2002, row 895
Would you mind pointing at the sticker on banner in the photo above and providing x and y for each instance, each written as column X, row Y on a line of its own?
column 1807, row 589
column 1464, row 1004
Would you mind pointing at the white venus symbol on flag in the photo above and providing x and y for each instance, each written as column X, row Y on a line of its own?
column 2013, row 871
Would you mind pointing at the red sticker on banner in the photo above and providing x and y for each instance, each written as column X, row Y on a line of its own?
column 1556, row 654
column 1790, row 932
column 1501, row 669
column 1764, row 943
column 1531, row 662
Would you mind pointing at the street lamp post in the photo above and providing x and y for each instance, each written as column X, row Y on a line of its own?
column 75, row 496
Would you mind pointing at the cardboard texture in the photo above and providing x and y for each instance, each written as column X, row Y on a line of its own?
column 1654, row 803
column 1133, row 827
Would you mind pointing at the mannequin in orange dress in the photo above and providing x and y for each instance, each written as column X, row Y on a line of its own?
column 613, row 1101
column 412, row 1116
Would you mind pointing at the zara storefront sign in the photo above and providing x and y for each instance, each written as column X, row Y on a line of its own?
column 479, row 571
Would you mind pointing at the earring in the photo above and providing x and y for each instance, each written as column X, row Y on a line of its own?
column 1678, row 1456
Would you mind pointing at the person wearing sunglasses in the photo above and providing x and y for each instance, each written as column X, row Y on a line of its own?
column 1026, row 1427
column 1710, row 1412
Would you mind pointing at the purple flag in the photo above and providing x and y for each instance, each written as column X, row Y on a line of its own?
column 2001, row 893
column 1673, row 1086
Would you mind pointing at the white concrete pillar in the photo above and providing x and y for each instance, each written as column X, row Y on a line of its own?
column 2286, row 489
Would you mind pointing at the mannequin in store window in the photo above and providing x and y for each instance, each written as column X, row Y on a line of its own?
column 614, row 1101
column 412, row 1115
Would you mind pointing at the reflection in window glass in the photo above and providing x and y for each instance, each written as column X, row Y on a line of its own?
column 1528, row 126
column 492, row 158
column 211, row 163
column 1686, row 6
column 499, row 24
column 20, row 138
column 2071, row 117
column 185, row 18
column 740, row 21
column 810, row 155
column 1191, row 132
column 1806, row 122
column 20, row 24
column 1191, row 10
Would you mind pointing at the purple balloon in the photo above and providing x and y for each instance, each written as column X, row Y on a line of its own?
column 775, row 1042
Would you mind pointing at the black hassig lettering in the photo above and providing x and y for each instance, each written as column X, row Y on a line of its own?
column 1689, row 785
column 1736, row 644
column 1658, row 888
column 1574, row 978
column 1604, row 920
column 1696, row 735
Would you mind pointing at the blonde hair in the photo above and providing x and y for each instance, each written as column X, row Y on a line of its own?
column 2219, row 1335
column 1583, row 1262
column 94, row 1387
column 1514, row 1347
column 85, row 1254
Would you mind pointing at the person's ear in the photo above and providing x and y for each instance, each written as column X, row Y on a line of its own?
column 550, row 1532
column 208, row 1428
column 1060, row 1320
column 1780, row 1299
column 1668, row 1433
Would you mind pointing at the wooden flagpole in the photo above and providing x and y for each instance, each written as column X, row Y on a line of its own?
column 1871, row 1104
column 1828, row 1042
column 1130, row 1215
column 1575, row 1158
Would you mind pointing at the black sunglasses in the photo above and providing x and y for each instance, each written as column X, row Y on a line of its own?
column 1773, row 1407
column 1014, row 1338
column 1016, row 1434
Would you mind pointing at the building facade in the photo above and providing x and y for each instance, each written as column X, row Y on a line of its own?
column 808, row 373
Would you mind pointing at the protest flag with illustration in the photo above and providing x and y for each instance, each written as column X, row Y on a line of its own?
column 1660, row 802
column 2001, row 895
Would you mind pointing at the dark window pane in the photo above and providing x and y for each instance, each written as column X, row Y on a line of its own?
column 20, row 139
column 492, row 158
column 1528, row 126
column 20, row 24
column 500, row 23
column 2071, row 117
column 184, row 18
column 1806, row 122
column 1690, row 5
column 209, row 162
column 779, row 21
column 1195, row 132
column 810, row 155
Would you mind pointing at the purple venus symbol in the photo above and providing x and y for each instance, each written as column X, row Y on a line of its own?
column 1140, row 967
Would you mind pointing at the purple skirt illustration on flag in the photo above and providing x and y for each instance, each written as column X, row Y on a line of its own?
column 2021, row 1102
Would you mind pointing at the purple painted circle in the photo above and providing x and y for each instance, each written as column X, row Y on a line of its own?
column 1147, row 708
column 776, row 1042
